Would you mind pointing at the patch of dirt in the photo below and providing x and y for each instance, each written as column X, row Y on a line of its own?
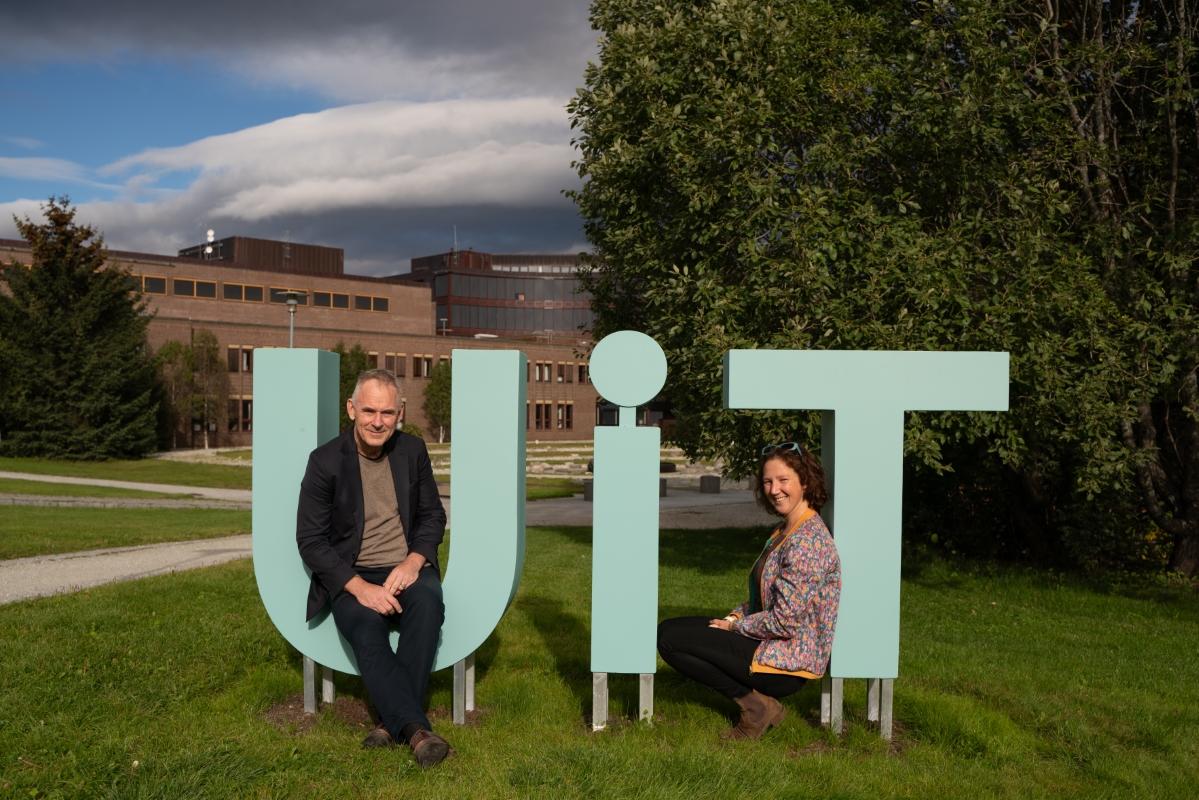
column 288, row 714
column 445, row 716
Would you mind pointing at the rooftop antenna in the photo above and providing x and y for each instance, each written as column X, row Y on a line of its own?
column 208, row 247
column 454, row 249
column 287, row 245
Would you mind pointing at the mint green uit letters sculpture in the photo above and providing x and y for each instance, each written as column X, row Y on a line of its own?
column 864, row 395
column 628, row 369
column 296, row 392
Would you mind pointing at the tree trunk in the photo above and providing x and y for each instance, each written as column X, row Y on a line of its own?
column 1185, row 556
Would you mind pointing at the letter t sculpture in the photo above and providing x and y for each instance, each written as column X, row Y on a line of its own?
column 864, row 395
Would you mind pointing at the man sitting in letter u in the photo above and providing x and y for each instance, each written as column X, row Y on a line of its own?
column 368, row 527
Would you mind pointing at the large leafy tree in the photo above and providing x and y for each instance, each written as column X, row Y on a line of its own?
column 195, row 386
column 354, row 362
column 437, row 404
column 77, row 378
column 922, row 175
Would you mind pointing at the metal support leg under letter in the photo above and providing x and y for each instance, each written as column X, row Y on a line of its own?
column 599, row 701
column 309, row 686
column 470, row 682
column 327, row 692
column 460, row 692
column 885, row 717
column 872, row 699
column 646, row 696
column 837, row 701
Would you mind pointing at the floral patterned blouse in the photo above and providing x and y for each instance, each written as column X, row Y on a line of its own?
column 799, row 590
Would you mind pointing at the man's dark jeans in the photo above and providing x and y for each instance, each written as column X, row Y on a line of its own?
column 395, row 680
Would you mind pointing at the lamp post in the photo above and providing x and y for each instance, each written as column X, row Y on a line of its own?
column 443, row 321
column 292, row 298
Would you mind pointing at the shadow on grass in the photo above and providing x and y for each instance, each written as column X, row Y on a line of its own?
column 567, row 637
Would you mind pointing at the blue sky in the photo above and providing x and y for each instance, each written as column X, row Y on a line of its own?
column 378, row 127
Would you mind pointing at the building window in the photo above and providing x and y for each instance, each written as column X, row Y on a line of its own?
column 234, row 422
column 443, row 360
column 537, row 416
column 206, row 289
column 527, row 415
column 253, row 294
column 380, row 304
column 362, row 303
column 232, row 291
column 401, row 363
column 570, row 416
column 153, row 285
column 341, row 300
column 322, row 299
column 247, row 414
column 183, row 288
column 372, row 360
column 561, row 372
column 583, row 376
column 241, row 359
column 422, row 366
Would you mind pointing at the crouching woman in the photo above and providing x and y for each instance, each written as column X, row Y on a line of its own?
column 782, row 635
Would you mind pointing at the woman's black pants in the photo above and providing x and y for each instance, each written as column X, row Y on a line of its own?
column 718, row 659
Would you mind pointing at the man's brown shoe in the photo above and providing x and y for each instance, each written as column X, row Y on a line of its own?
column 428, row 748
column 379, row 737
column 759, row 712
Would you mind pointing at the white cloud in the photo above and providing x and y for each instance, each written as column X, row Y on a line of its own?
column 23, row 142
column 50, row 169
column 387, row 154
column 377, row 162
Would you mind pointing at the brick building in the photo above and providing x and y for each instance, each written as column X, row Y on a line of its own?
column 237, row 293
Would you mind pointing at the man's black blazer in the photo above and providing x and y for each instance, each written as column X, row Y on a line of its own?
column 330, row 519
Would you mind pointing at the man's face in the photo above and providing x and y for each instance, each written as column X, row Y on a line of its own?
column 375, row 414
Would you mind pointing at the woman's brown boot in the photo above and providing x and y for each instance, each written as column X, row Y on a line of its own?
column 759, row 712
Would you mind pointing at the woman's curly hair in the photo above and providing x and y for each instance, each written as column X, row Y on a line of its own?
column 810, row 473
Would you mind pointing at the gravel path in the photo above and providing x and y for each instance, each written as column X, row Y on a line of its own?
column 39, row 576
column 684, row 507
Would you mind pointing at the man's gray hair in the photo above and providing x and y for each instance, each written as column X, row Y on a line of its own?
column 384, row 376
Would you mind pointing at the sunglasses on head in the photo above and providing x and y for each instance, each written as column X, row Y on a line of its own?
column 792, row 447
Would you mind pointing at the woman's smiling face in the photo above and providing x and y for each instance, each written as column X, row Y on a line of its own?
column 782, row 486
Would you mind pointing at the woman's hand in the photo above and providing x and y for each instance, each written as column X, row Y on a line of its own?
column 723, row 624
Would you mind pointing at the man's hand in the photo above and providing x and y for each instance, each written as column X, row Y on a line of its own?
column 404, row 574
column 373, row 596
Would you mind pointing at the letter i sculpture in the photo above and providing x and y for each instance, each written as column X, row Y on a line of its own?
column 627, row 369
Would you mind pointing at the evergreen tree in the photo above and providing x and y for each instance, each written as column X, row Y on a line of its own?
column 78, row 380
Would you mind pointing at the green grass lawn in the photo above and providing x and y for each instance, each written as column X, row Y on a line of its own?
column 149, row 470
column 1014, row 684
column 42, row 488
column 547, row 488
column 32, row 530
